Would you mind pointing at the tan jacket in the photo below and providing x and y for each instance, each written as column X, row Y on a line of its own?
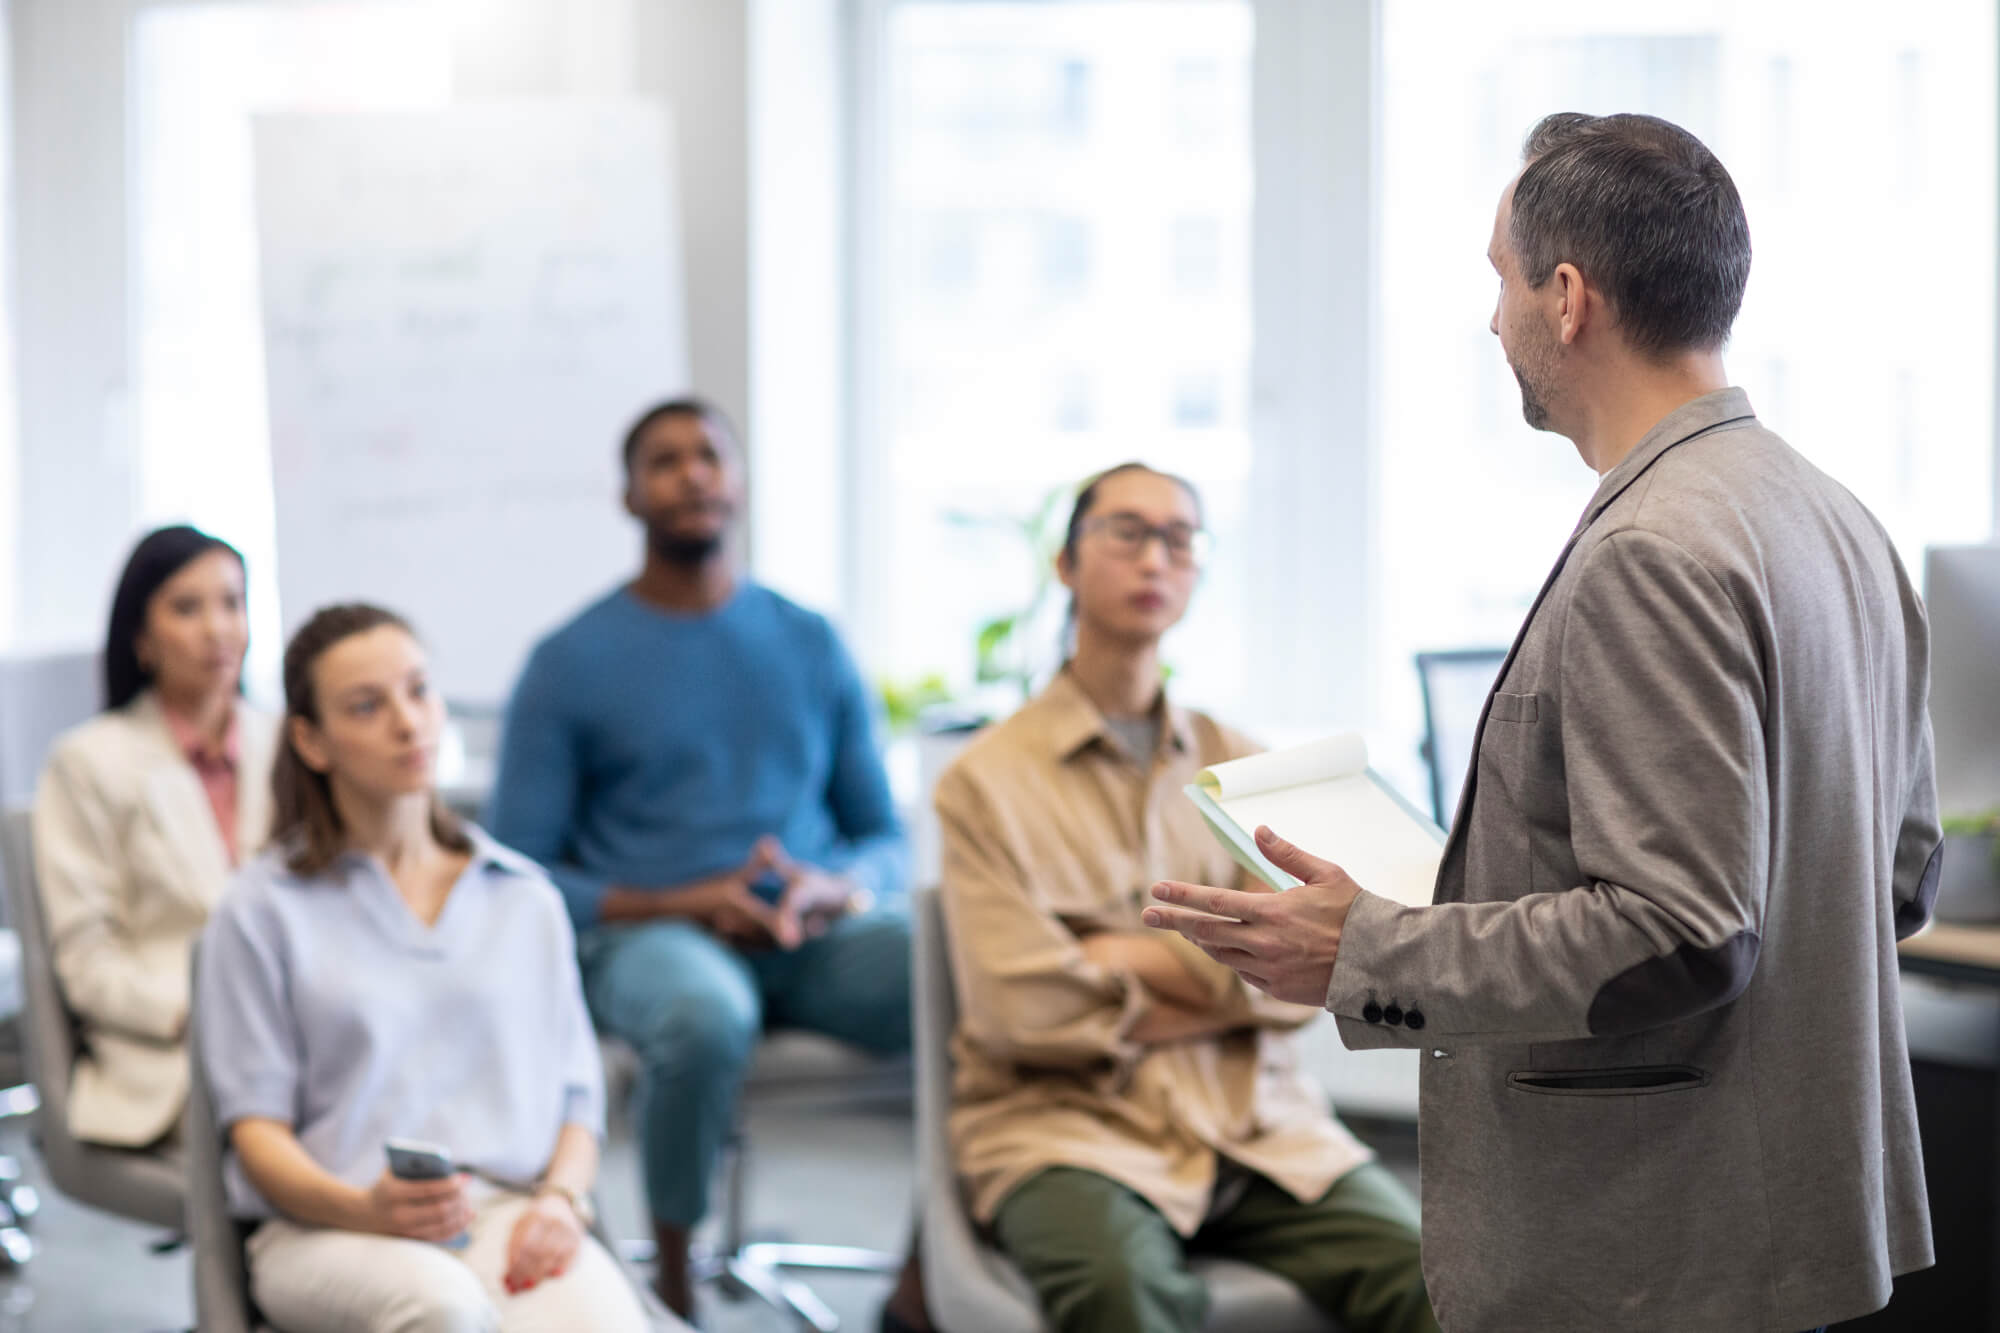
column 1665, row 1083
column 129, row 860
column 1051, row 833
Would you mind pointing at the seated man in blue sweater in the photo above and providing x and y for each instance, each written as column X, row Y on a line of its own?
column 692, row 759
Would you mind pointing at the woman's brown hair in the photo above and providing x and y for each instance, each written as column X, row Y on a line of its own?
column 304, row 819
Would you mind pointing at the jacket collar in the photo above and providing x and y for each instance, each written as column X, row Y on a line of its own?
column 203, row 751
column 1712, row 411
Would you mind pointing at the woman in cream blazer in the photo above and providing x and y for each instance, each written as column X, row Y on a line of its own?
column 141, row 814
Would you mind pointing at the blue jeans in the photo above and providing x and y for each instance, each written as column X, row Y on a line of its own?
column 693, row 1008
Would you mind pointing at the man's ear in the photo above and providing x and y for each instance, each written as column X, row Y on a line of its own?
column 1575, row 304
column 1066, row 569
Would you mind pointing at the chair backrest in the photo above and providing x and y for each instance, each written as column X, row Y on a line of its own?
column 221, row 1281
column 965, row 1285
column 41, row 697
column 934, row 1019
column 48, row 1029
column 144, row 1186
column 1455, row 685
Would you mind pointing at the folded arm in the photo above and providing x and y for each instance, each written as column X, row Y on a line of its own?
column 1027, row 991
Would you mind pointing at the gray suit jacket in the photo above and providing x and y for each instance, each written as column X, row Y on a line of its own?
column 1664, row 1076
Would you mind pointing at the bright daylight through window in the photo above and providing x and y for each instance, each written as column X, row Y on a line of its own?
column 1067, row 199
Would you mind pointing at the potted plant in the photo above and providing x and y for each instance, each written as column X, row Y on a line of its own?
column 1016, row 647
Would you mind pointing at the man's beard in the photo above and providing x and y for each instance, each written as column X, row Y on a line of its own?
column 1534, row 371
column 686, row 552
column 1533, row 409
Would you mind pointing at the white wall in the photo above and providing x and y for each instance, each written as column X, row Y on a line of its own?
column 799, row 373
column 696, row 55
column 1314, row 382
column 75, row 474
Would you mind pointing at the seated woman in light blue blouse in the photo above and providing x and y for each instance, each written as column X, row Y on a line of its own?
column 384, row 971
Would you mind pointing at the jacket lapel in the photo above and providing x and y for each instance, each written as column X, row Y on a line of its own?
column 179, row 806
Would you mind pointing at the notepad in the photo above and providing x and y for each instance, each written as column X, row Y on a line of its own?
column 1324, row 798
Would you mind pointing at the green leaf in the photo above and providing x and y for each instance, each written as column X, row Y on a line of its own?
column 992, row 638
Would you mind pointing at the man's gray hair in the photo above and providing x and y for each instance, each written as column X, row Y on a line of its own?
column 1647, row 214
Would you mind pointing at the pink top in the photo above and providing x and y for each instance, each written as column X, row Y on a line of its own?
column 216, row 766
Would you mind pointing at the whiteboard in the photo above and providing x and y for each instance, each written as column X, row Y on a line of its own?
column 463, row 310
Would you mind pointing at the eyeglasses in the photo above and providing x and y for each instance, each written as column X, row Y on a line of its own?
column 1129, row 535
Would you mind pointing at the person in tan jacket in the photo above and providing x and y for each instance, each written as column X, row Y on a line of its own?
column 139, row 817
column 1120, row 1097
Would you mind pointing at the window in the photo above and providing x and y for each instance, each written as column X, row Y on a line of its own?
column 1851, row 149
column 200, row 72
column 1065, row 203
column 1196, row 263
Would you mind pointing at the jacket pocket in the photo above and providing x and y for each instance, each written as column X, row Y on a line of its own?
column 1635, row 1080
column 1514, row 707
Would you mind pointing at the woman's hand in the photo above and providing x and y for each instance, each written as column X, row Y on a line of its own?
column 545, row 1239
column 432, row 1210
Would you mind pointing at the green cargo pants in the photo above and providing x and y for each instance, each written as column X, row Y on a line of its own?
column 1103, row 1260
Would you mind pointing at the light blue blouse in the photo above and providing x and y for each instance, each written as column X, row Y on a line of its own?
column 326, row 1004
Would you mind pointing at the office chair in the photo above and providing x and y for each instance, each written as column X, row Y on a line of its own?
column 1455, row 685
column 18, row 1201
column 141, row 1184
column 40, row 697
column 968, row 1283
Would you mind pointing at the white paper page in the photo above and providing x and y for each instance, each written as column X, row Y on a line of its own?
column 1356, row 825
column 1334, row 757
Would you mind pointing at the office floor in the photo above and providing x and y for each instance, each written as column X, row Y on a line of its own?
column 836, row 1177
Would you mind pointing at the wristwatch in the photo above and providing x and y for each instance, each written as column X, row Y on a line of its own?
column 578, row 1201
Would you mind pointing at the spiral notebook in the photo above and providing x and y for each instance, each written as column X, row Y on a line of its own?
column 1323, row 798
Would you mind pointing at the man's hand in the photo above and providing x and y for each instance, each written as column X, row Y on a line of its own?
column 813, row 898
column 728, row 908
column 1282, row 943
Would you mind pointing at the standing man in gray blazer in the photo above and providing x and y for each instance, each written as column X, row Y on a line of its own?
column 1664, row 1075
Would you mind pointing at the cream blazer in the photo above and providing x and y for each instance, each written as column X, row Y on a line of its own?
column 129, row 862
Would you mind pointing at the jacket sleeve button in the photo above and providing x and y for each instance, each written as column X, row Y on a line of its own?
column 1393, row 1015
column 1413, row 1019
column 1371, row 1012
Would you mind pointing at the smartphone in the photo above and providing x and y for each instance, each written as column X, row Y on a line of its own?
column 413, row 1159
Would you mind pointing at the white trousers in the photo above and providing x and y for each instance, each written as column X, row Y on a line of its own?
column 323, row 1280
